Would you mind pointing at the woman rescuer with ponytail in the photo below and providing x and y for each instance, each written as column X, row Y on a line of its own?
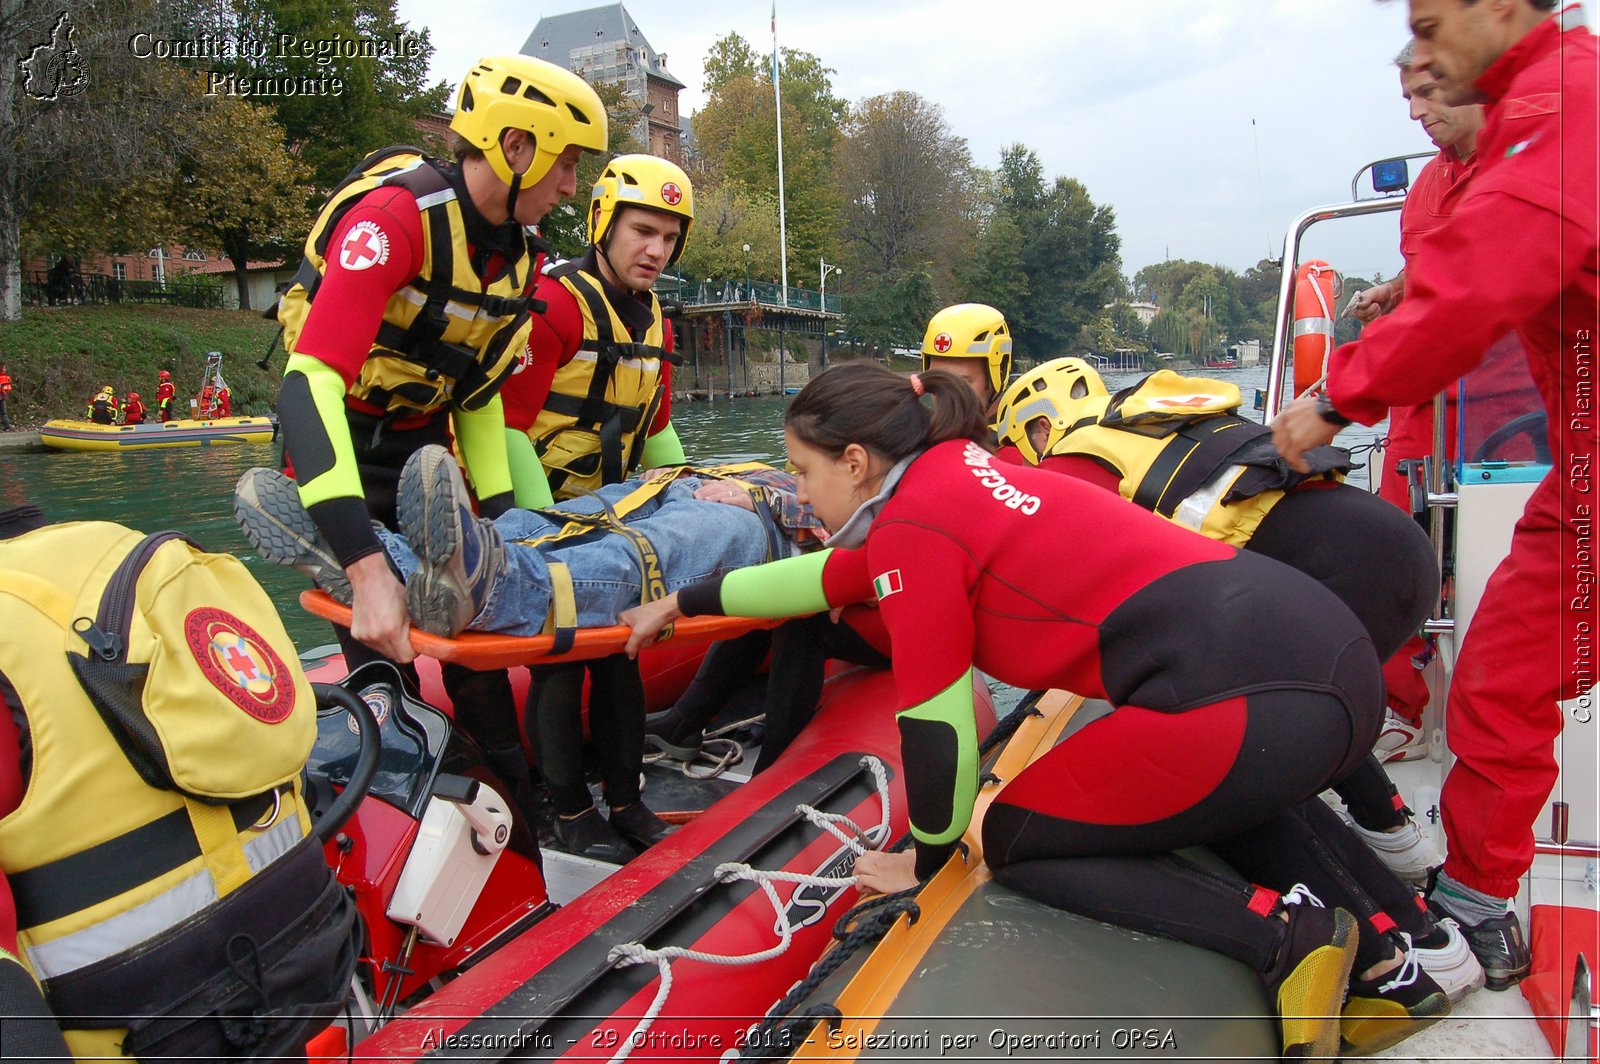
column 1226, row 727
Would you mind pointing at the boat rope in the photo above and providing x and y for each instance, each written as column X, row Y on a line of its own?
column 630, row 953
column 778, row 1034
column 710, row 761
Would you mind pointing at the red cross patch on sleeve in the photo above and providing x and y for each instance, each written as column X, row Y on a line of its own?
column 365, row 245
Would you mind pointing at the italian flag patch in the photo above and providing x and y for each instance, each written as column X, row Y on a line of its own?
column 887, row 584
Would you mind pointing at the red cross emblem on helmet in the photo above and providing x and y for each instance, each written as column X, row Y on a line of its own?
column 671, row 194
column 942, row 342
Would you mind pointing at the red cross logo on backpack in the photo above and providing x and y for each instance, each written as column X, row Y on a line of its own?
column 240, row 664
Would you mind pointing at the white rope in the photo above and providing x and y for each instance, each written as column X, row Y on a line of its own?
column 1312, row 273
column 631, row 953
column 715, row 764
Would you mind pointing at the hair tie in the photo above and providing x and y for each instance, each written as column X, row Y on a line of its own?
column 916, row 383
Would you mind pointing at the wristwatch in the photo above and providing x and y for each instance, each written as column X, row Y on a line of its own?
column 1326, row 411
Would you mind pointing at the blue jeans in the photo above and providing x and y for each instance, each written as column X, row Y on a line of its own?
column 694, row 541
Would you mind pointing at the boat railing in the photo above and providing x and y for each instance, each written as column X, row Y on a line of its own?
column 1282, row 339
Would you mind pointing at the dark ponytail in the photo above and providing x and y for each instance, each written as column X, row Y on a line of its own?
column 866, row 403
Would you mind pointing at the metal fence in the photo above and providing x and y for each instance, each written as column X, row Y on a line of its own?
column 717, row 293
column 52, row 288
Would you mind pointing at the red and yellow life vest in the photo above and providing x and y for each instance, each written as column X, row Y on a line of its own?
column 592, row 428
column 447, row 339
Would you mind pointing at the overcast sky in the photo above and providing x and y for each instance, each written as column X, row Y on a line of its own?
column 1150, row 103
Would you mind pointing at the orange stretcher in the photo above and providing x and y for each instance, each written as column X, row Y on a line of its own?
column 485, row 650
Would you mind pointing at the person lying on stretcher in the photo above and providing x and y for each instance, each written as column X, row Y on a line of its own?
column 532, row 572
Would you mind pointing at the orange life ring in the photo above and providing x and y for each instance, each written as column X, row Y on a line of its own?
column 1315, row 290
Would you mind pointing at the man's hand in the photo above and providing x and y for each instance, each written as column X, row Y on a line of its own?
column 1378, row 300
column 648, row 620
column 1298, row 428
column 725, row 491
column 885, row 873
column 378, row 608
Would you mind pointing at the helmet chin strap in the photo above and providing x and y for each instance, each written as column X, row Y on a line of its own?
column 516, row 178
column 511, row 195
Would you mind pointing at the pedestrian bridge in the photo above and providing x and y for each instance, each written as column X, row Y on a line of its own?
column 709, row 296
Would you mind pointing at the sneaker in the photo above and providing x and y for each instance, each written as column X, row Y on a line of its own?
column 1499, row 945
column 640, row 826
column 1452, row 965
column 1407, row 852
column 1389, row 1008
column 1400, row 740
column 269, row 511
column 588, row 835
column 459, row 555
column 1308, row 978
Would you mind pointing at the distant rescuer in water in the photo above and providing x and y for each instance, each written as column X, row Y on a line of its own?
column 1519, row 252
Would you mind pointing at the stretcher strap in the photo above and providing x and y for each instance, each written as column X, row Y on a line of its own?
column 562, row 624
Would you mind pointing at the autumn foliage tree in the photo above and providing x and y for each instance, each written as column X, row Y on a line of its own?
column 906, row 192
column 736, row 134
column 239, row 189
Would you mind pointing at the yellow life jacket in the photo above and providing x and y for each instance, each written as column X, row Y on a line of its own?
column 447, row 339
column 593, row 426
column 168, row 722
column 1183, row 454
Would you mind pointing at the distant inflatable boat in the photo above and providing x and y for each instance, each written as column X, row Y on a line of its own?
column 188, row 432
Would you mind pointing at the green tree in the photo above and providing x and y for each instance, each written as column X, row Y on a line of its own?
column 737, row 139
column 382, row 95
column 566, row 227
column 903, row 180
column 80, row 118
column 727, row 218
column 1258, row 300
column 888, row 311
column 1070, row 252
column 994, row 273
column 239, row 189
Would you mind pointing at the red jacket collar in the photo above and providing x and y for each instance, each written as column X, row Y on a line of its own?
column 1535, row 45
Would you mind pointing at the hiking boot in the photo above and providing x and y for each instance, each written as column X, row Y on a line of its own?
column 588, row 835
column 1308, row 978
column 1389, row 1008
column 1407, row 852
column 1452, row 963
column 459, row 555
column 1400, row 740
column 640, row 826
column 269, row 511
column 1499, row 945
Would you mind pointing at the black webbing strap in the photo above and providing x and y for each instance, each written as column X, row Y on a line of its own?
column 119, row 864
column 1191, row 456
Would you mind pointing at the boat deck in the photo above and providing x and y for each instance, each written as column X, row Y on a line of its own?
column 1491, row 1026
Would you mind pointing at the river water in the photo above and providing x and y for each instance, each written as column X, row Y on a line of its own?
column 189, row 489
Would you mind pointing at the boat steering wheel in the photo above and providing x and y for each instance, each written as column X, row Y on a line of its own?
column 1532, row 425
column 330, row 821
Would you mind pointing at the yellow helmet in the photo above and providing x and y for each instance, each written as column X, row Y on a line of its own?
column 1066, row 391
column 106, row 389
column 641, row 181
column 970, row 330
column 520, row 92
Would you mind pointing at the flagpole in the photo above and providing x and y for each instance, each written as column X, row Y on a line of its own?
column 777, row 97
